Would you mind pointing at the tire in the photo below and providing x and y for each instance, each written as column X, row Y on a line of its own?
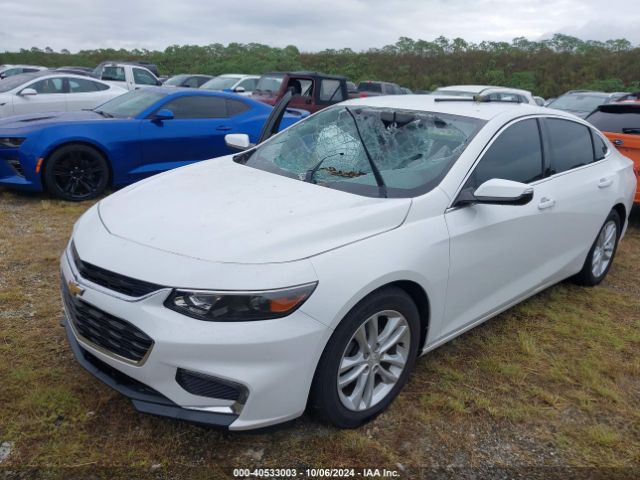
column 602, row 252
column 76, row 172
column 393, row 308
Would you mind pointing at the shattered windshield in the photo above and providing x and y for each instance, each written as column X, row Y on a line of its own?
column 369, row 151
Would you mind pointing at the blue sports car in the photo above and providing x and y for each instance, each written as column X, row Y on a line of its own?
column 76, row 155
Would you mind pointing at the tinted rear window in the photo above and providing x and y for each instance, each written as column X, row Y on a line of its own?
column 570, row 143
column 617, row 119
column 370, row 87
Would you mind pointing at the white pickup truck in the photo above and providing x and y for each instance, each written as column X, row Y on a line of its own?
column 128, row 75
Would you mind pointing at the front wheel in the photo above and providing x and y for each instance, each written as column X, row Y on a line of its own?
column 76, row 173
column 600, row 257
column 367, row 360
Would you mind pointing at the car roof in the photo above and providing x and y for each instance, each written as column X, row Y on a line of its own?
column 480, row 89
column 238, row 75
column 438, row 104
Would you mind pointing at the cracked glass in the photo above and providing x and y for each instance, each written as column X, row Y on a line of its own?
column 368, row 150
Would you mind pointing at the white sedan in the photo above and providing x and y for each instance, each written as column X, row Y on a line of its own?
column 50, row 91
column 315, row 268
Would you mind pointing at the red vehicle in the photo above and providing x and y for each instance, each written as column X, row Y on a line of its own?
column 620, row 122
column 312, row 91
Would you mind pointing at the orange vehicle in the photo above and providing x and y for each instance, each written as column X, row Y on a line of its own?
column 620, row 122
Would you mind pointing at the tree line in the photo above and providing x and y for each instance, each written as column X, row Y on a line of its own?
column 547, row 68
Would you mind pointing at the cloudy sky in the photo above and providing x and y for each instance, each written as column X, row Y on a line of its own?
column 309, row 24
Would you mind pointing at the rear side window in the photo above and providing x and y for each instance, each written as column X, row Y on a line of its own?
column 331, row 91
column 570, row 145
column 115, row 74
column 80, row 85
column 236, row 107
column 515, row 155
column 194, row 107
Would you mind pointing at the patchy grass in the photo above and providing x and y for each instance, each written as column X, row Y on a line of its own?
column 554, row 381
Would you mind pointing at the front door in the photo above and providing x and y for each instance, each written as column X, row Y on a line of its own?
column 195, row 133
column 499, row 252
column 50, row 97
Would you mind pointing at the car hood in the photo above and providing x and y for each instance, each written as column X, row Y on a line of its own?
column 221, row 211
column 48, row 118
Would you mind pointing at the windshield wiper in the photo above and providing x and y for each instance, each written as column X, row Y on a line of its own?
column 632, row 130
column 103, row 113
column 308, row 176
column 376, row 173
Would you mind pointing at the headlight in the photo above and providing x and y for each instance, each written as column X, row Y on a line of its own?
column 228, row 306
column 11, row 142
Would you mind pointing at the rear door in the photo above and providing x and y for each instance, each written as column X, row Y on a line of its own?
column 84, row 93
column 50, row 97
column 195, row 133
column 583, row 188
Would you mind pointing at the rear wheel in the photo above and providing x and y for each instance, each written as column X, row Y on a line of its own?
column 76, row 173
column 367, row 360
column 600, row 257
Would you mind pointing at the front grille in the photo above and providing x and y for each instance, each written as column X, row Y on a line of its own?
column 17, row 166
column 208, row 386
column 105, row 330
column 111, row 280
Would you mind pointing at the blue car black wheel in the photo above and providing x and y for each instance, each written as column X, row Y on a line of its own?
column 76, row 172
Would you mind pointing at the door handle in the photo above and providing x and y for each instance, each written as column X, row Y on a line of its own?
column 546, row 202
column 617, row 142
column 223, row 128
column 605, row 182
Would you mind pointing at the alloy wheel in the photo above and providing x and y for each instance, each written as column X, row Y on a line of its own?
column 78, row 174
column 605, row 245
column 373, row 360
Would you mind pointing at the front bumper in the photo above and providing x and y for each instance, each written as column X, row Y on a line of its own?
column 17, row 170
column 274, row 360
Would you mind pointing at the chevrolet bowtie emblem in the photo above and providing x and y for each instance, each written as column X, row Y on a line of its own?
column 75, row 289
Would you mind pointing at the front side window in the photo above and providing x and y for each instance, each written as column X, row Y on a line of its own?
column 270, row 83
column 249, row 84
column 570, row 145
column 48, row 85
column 142, row 77
column 343, row 147
column 515, row 155
column 331, row 91
column 194, row 107
column 220, row 83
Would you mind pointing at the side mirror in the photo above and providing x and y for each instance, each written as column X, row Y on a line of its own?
column 163, row 114
column 239, row 90
column 237, row 141
column 28, row 92
column 497, row 192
